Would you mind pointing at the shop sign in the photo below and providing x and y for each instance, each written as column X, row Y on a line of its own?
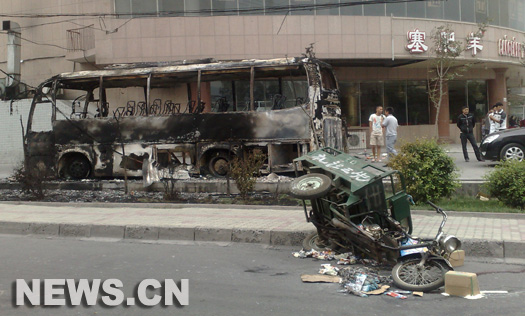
column 474, row 43
column 416, row 42
column 511, row 48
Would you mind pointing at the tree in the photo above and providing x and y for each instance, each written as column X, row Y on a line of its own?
column 445, row 67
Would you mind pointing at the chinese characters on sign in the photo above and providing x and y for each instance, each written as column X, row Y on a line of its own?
column 416, row 42
column 474, row 43
column 511, row 48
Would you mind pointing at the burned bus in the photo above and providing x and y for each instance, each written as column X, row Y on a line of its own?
column 195, row 115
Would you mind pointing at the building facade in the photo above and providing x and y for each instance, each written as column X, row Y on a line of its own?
column 382, row 53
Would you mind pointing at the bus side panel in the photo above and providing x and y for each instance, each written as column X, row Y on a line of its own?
column 287, row 124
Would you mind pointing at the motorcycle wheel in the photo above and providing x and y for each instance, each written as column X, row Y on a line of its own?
column 310, row 186
column 408, row 275
column 311, row 242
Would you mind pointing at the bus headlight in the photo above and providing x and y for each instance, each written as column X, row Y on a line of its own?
column 449, row 243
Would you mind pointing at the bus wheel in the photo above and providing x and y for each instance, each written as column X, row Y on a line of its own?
column 219, row 164
column 78, row 167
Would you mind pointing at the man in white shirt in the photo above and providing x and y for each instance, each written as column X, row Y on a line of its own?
column 376, row 133
column 390, row 124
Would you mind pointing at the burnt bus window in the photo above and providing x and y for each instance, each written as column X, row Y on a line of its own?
column 295, row 92
column 221, row 96
column 328, row 79
column 267, row 95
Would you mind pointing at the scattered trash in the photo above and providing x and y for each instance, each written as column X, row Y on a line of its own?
column 316, row 278
column 381, row 290
column 328, row 269
column 420, row 294
column 408, row 242
column 457, row 258
column 327, row 255
column 361, row 281
column 396, row 295
column 461, row 284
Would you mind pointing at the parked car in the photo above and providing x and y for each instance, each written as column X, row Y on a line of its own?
column 504, row 145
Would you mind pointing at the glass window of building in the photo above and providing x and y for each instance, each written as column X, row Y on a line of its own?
column 451, row 10
column 396, row 9
column 302, row 7
column 276, row 7
column 371, row 97
column 477, row 98
column 224, row 7
column 251, row 7
column 504, row 13
column 516, row 14
column 457, row 98
column 468, row 8
column 493, row 12
column 395, row 97
column 143, row 8
column 418, row 107
column 482, row 7
column 197, row 7
column 416, row 9
column 328, row 9
column 171, row 7
column 374, row 9
column 123, row 8
column 352, row 9
column 350, row 102
column 435, row 9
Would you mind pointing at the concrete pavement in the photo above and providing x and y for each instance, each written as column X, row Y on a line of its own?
column 487, row 235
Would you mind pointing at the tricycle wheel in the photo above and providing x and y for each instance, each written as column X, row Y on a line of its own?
column 310, row 186
column 312, row 241
column 409, row 275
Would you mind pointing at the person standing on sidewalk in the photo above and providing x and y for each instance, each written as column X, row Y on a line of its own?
column 376, row 133
column 390, row 124
column 466, row 123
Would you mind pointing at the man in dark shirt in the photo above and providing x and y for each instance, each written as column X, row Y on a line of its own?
column 466, row 123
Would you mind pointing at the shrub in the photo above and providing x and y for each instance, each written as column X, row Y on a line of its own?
column 244, row 171
column 31, row 181
column 430, row 174
column 507, row 183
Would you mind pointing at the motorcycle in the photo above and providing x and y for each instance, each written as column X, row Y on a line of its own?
column 359, row 207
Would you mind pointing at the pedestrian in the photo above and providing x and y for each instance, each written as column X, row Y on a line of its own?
column 376, row 133
column 486, row 124
column 498, row 118
column 466, row 123
column 502, row 117
column 390, row 124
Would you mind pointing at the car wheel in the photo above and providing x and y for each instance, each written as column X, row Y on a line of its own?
column 512, row 152
column 310, row 186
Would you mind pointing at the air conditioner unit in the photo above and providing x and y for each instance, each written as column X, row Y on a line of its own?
column 356, row 140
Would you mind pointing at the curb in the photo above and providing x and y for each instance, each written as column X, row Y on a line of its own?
column 473, row 247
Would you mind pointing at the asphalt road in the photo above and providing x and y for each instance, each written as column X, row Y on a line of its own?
column 230, row 279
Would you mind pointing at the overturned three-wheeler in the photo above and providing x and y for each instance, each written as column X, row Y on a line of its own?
column 359, row 207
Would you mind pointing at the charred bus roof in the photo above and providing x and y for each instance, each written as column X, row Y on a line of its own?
column 179, row 71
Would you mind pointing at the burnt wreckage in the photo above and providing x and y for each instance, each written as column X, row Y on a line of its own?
column 195, row 116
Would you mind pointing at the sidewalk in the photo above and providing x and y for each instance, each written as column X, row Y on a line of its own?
column 486, row 235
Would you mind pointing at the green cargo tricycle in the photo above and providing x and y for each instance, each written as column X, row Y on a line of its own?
column 361, row 208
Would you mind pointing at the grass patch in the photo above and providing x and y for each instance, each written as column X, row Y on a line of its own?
column 471, row 204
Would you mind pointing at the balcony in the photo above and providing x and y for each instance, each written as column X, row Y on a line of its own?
column 81, row 45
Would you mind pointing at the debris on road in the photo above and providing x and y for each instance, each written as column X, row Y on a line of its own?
column 316, row 278
column 328, row 269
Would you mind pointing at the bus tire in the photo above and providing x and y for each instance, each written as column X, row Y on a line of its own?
column 78, row 167
column 219, row 164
